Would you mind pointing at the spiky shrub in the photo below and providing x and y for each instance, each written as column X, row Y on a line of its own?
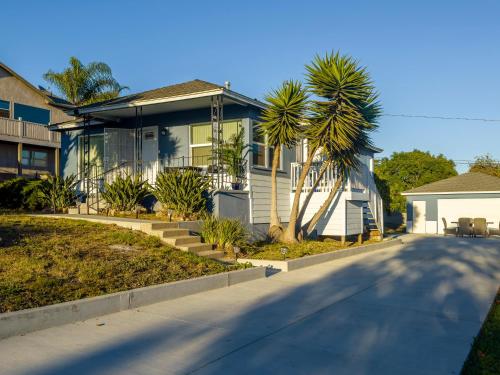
column 58, row 192
column 225, row 233
column 209, row 229
column 125, row 193
column 184, row 192
column 232, row 154
column 33, row 199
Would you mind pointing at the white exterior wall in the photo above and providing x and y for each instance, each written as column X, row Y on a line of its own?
column 452, row 209
column 260, row 198
column 333, row 223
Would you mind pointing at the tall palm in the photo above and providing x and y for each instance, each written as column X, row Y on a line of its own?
column 281, row 123
column 85, row 84
column 345, row 111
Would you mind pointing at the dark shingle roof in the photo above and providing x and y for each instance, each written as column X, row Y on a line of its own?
column 467, row 182
column 185, row 88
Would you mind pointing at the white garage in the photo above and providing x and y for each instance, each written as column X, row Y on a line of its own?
column 468, row 195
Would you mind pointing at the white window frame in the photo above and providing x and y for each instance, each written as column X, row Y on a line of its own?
column 267, row 149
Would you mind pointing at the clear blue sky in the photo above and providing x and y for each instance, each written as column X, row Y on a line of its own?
column 426, row 57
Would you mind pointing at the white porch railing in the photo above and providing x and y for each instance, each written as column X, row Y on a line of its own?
column 28, row 130
column 325, row 185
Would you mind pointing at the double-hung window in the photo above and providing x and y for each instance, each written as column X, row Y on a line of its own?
column 262, row 154
column 201, row 141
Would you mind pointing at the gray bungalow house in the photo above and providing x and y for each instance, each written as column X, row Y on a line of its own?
column 181, row 126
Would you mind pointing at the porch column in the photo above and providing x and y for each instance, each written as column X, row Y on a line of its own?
column 56, row 160
column 19, row 159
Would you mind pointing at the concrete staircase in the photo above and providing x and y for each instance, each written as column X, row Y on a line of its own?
column 172, row 234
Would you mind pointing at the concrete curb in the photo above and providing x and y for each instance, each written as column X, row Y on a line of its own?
column 311, row 260
column 24, row 321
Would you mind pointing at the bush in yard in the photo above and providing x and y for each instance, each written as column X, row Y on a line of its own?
column 184, row 192
column 57, row 192
column 125, row 193
column 33, row 198
column 225, row 233
column 11, row 192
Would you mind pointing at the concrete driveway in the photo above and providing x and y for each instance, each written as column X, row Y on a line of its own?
column 412, row 309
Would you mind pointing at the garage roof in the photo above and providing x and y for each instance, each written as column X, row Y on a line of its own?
column 472, row 182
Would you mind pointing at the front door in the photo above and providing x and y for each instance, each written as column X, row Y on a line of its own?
column 418, row 216
column 150, row 153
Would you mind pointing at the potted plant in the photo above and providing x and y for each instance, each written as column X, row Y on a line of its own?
column 232, row 156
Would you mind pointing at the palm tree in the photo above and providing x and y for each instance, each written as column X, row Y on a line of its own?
column 281, row 123
column 347, row 111
column 85, row 84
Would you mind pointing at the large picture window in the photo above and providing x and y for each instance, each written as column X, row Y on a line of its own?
column 201, row 141
column 35, row 159
column 4, row 108
column 31, row 114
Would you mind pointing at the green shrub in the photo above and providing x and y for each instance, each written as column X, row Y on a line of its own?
column 184, row 192
column 57, row 192
column 225, row 233
column 33, row 197
column 125, row 193
column 11, row 192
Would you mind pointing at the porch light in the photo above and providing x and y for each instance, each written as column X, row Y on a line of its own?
column 284, row 251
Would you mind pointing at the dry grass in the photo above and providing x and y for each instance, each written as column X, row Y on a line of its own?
column 45, row 261
column 271, row 251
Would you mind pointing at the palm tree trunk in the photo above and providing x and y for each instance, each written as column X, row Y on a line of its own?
column 275, row 220
column 303, row 208
column 311, row 224
column 290, row 234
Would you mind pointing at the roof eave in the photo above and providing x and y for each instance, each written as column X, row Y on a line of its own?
column 406, row 193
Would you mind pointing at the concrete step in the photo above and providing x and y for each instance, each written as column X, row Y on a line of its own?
column 213, row 254
column 83, row 210
column 195, row 247
column 182, row 240
column 156, row 226
column 174, row 232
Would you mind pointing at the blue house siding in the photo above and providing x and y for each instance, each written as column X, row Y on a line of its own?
column 176, row 125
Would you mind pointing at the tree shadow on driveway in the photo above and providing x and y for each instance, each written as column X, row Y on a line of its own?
column 413, row 310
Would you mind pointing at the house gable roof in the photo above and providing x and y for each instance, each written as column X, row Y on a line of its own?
column 49, row 97
column 472, row 182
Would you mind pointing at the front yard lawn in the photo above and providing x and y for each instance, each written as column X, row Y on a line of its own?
column 271, row 251
column 45, row 261
column 484, row 357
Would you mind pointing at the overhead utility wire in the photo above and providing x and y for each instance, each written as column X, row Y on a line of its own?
column 440, row 117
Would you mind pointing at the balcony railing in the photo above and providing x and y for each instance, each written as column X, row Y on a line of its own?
column 28, row 131
column 325, row 185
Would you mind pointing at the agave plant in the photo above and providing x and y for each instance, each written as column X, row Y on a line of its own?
column 125, row 193
column 59, row 192
column 184, row 192
column 225, row 233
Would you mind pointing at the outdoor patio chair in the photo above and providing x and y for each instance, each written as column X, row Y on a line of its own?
column 480, row 227
column 448, row 230
column 464, row 226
